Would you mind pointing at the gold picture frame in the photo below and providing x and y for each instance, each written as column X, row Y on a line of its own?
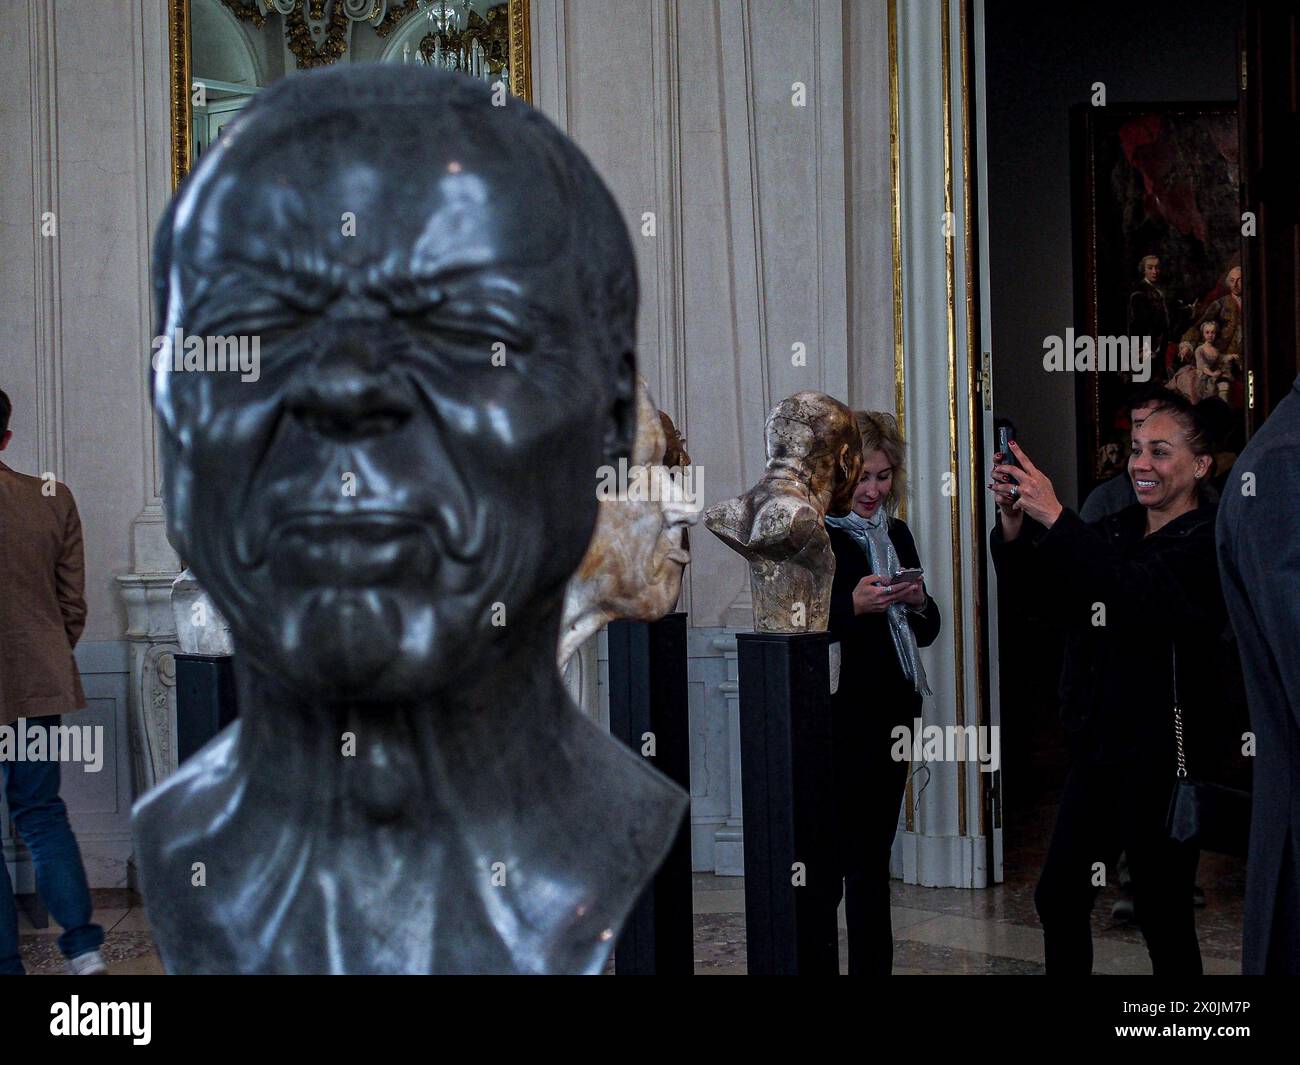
column 178, row 36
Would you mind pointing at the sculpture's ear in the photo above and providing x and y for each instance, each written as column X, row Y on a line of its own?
column 620, row 424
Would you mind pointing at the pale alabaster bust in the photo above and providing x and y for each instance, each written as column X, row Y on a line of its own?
column 633, row 566
column 814, row 460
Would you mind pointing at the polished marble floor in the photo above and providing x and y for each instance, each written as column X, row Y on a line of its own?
column 989, row 932
column 936, row 930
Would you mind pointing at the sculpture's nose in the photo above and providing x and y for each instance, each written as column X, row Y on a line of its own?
column 346, row 396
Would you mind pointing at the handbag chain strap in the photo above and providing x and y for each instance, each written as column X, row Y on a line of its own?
column 1178, row 722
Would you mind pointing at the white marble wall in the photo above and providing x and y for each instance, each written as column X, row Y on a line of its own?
column 686, row 109
column 85, row 134
column 81, row 142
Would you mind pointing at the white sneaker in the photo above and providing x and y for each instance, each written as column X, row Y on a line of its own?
column 89, row 964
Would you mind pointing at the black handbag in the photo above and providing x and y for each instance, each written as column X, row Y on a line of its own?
column 1210, row 817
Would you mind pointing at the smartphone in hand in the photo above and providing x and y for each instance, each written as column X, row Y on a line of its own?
column 1004, row 446
column 907, row 576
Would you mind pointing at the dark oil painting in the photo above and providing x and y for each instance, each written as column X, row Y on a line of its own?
column 1158, row 241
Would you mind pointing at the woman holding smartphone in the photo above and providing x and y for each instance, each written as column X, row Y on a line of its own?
column 1138, row 596
column 880, row 614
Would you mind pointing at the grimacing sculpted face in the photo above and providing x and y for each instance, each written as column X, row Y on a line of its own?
column 358, row 510
column 670, row 518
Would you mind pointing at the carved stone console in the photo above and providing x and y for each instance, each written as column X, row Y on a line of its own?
column 151, row 634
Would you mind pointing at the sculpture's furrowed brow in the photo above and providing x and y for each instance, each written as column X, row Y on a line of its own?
column 297, row 282
column 309, row 284
column 493, row 293
column 410, row 293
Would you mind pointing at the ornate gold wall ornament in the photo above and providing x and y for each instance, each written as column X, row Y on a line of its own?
column 395, row 15
column 297, row 31
column 178, row 39
column 299, row 41
column 246, row 11
column 521, row 50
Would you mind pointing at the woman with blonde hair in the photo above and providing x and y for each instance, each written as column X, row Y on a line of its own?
column 880, row 614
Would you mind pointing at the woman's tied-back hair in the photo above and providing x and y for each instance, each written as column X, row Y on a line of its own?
column 1197, row 424
column 879, row 431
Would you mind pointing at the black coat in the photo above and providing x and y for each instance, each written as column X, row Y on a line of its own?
column 1157, row 592
column 874, row 696
column 1259, row 551
column 871, row 676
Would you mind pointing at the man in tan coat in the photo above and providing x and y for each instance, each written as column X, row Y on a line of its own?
column 42, row 614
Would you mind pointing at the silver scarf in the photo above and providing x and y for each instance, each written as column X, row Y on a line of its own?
column 872, row 535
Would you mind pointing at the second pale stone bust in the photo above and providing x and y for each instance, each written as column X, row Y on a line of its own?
column 814, row 459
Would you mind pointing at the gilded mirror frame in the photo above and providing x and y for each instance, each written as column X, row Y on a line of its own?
column 178, row 37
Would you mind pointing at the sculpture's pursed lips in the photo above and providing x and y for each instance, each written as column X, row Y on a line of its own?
column 351, row 548
column 361, row 546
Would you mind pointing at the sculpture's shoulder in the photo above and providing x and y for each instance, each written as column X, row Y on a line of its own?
column 772, row 520
column 731, row 519
column 640, row 805
column 178, row 862
column 631, row 813
column 789, row 511
column 200, row 779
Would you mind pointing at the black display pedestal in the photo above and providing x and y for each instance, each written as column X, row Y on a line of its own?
column 205, row 700
column 33, row 908
column 648, row 693
column 788, row 803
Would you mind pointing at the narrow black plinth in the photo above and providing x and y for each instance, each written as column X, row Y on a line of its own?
column 205, row 700
column 788, row 803
column 33, row 908
column 648, row 694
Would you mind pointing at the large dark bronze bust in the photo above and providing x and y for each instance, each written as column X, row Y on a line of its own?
column 445, row 298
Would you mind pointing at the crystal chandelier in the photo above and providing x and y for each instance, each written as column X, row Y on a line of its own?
column 447, row 15
column 446, row 45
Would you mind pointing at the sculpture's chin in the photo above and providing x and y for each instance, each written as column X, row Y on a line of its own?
column 353, row 645
column 384, row 676
column 662, row 589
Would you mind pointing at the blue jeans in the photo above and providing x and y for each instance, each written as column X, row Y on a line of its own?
column 41, row 819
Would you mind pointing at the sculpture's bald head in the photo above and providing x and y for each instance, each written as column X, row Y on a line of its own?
column 819, row 434
column 385, row 176
column 441, row 290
